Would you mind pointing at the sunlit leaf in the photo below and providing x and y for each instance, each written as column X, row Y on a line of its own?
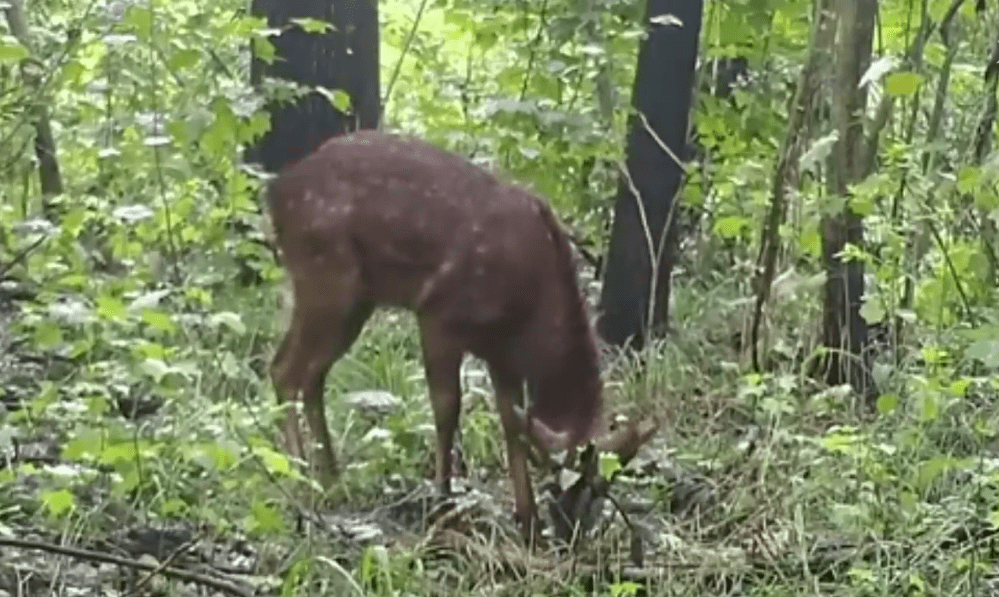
column 228, row 319
column 902, row 84
column 731, row 226
column 887, row 403
column 311, row 25
column 109, row 307
column 608, row 465
column 59, row 502
column 666, row 19
column 872, row 311
column 818, row 152
column 338, row 97
column 878, row 69
column 11, row 50
column 154, row 368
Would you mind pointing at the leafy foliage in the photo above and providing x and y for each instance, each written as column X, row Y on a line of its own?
column 151, row 356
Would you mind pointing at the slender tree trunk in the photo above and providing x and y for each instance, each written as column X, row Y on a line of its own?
column 845, row 331
column 45, row 146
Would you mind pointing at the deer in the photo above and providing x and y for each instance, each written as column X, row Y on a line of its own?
column 373, row 219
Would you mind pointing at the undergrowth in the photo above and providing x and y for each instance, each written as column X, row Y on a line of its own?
column 793, row 471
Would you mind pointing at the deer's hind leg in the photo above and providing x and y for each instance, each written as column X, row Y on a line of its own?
column 325, row 322
column 442, row 355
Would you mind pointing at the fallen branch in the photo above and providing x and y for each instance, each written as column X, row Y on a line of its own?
column 218, row 584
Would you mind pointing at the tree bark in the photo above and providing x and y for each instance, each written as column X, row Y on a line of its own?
column 344, row 57
column 845, row 331
column 640, row 255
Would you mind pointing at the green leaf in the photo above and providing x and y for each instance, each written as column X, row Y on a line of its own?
column 937, row 10
column 72, row 222
column 86, row 443
column 929, row 409
column 730, row 227
column 609, row 464
column 872, row 311
column 154, row 368
column 967, row 178
column 139, row 21
column 263, row 518
column 338, row 97
column 58, row 502
column 902, row 84
column 222, row 457
column 274, row 462
column 158, row 321
column 110, row 308
column 624, row 589
column 173, row 507
column 228, row 319
column 887, row 403
column 11, row 50
column 862, row 205
column 263, row 49
column 985, row 352
column 931, row 470
column 810, row 242
column 118, row 453
column 229, row 366
column 184, row 59
column 986, row 199
column 48, row 335
column 310, row 25
column 839, row 442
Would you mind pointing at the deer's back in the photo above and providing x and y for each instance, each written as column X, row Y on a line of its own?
column 424, row 229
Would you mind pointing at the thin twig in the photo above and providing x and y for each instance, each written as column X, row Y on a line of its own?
column 21, row 255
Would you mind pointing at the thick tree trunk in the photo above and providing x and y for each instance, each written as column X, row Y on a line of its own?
column 344, row 57
column 641, row 252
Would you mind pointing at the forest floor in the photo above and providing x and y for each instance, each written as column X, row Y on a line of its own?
column 133, row 449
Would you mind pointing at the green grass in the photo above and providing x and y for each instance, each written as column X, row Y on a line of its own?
column 789, row 469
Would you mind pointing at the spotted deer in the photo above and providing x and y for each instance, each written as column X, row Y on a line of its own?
column 373, row 219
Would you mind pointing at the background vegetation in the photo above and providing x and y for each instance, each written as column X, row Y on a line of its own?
column 133, row 358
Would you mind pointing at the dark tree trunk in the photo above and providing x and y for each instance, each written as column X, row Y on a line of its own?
column 662, row 92
column 344, row 58
column 845, row 331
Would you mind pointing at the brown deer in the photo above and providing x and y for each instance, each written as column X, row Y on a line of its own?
column 372, row 219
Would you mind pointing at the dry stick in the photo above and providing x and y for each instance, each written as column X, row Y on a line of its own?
column 219, row 584
column 21, row 255
column 170, row 559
